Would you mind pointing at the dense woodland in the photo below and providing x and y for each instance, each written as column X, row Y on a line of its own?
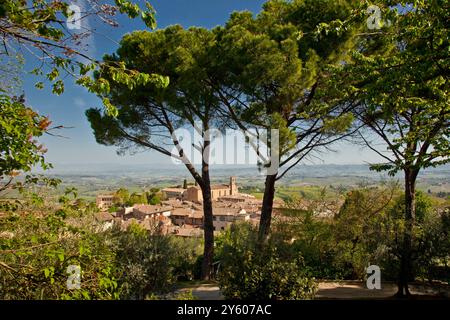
column 317, row 71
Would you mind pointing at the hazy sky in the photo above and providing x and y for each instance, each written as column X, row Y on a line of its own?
column 79, row 146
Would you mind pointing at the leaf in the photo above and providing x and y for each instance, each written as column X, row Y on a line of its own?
column 110, row 109
column 39, row 85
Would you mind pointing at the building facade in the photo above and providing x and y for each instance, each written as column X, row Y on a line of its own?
column 105, row 201
column 194, row 193
column 174, row 193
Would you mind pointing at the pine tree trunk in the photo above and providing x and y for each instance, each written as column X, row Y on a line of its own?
column 267, row 207
column 208, row 226
column 405, row 272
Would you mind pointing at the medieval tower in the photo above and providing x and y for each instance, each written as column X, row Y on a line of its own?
column 233, row 187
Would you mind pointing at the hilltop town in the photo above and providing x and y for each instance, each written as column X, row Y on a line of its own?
column 181, row 210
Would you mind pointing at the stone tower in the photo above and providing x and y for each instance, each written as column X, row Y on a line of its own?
column 233, row 187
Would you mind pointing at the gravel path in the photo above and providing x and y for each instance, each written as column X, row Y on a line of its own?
column 332, row 290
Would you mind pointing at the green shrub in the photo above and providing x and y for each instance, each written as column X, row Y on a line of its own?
column 38, row 247
column 41, row 239
column 249, row 271
column 433, row 247
column 184, row 261
column 143, row 262
column 366, row 230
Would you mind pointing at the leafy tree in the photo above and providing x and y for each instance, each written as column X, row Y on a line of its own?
column 424, row 206
column 187, row 253
column 122, row 195
column 149, row 116
column 39, row 26
column 402, row 97
column 362, row 230
column 247, row 272
column 20, row 127
column 143, row 262
column 155, row 199
column 310, row 236
column 137, row 198
column 41, row 240
column 273, row 69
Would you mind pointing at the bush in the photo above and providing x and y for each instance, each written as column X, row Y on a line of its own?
column 38, row 247
column 143, row 262
column 40, row 240
column 367, row 230
column 187, row 253
column 312, row 238
column 249, row 271
column 433, row 247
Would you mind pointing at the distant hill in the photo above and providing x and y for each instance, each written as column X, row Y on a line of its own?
column 167, row 174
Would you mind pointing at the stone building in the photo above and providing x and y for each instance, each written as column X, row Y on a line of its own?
column 105, row 201
column 174, row 193
column 194, row 193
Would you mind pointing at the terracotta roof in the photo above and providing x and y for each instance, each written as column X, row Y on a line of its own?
column 242, row 196
column 196, row 215
column 105, row 196
column 226, row 211
column 126, row 223
column 189, row 232
column 173, row 190
column 150, row 209
column 220, row 186
column 187, row 212
column 104, row 216
column 173, row 203
column 181, row 212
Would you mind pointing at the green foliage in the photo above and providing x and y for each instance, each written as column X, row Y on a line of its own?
column 153, row 196
column 143, row 262
column 397, row 82
column 402, row 91
column 187, row 295
column 154, row 200
column 41, row 239
column 424, row 207
column 188, row 252
column 248, row 271
column 368, row 229
column 39, row 24
column 37, row 245
column 137, row 198
column 113, row 209
column 122, row 196
column 312, row 238
column 271, row 64
column 20, row 127
column 433, row 247
column 365, row 230
column 144, row 108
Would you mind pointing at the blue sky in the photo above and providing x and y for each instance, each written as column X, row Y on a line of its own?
column 79, row 146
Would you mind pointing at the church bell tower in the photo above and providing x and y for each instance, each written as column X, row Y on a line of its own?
column 233, row 187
